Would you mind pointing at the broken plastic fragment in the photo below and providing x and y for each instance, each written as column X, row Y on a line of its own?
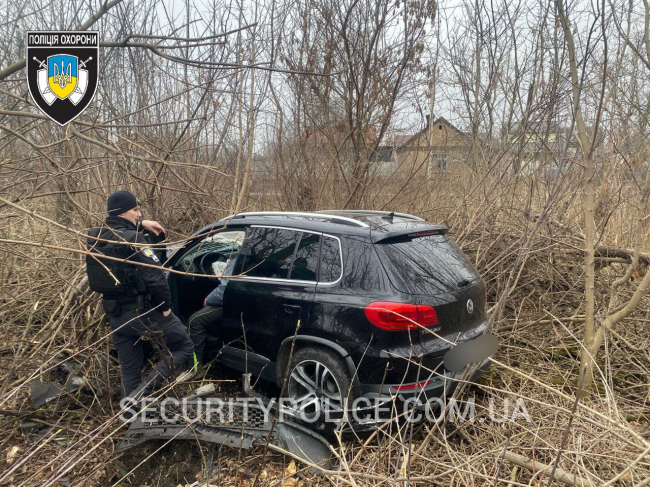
column 70, row 380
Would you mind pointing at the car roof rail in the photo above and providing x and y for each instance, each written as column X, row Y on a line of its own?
column 378, row 212
column 333, row 218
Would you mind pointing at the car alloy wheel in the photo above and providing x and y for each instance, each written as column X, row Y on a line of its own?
column 313, row 387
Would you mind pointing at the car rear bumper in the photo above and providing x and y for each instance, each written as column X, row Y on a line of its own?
column 437, row 386
column 381, row 403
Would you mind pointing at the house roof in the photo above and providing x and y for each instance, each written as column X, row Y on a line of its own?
column 400, row 141
column 337, row 133
column 444, row 120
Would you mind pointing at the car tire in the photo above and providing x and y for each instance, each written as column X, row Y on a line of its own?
column 318, row 380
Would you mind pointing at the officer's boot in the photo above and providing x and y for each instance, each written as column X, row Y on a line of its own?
column 145, row 388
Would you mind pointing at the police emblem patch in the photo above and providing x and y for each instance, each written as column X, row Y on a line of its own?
column 151, row 254
column 62, row 72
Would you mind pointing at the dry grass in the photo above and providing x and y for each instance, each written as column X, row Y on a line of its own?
column 45, row 318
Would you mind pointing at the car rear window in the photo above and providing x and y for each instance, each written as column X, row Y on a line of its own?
column 431, row 264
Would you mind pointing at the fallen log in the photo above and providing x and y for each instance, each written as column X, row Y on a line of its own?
column 627, row 254
column 600, row 250
column 534, row 466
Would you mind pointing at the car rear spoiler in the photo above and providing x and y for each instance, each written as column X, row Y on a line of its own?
column 408, row 233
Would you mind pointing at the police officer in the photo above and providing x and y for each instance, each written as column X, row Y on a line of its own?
column 136, row 298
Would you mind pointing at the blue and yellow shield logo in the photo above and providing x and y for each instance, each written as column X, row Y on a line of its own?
column 62, row 72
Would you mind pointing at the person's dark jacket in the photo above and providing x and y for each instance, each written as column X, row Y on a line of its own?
column 121, row 229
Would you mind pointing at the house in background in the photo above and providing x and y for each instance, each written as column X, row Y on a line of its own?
column 541, row 146
column 438, row 147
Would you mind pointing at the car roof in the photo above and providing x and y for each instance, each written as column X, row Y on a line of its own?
column 338, row 222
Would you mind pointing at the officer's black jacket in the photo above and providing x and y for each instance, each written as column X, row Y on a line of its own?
column 121, row 229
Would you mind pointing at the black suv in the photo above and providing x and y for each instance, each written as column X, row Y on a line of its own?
column 356, row 280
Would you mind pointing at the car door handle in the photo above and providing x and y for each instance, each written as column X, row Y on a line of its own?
column 290, row 308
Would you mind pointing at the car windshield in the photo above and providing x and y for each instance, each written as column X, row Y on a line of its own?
column 220, row 242
column 430, row 265
column 217, row 242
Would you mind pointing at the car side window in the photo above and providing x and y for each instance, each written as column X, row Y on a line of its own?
column 268, row 252
column 330, row 262
column 305, row 264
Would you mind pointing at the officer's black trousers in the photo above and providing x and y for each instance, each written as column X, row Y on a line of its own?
column 204, row 321
column 128, row 331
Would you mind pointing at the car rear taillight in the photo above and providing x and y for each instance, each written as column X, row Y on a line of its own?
column 411, row 386
column 400, row 316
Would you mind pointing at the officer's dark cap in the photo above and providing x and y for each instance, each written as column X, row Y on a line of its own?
column 120, row 202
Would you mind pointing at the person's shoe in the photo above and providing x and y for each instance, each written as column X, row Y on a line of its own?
column 143, row 390
column 132, row 404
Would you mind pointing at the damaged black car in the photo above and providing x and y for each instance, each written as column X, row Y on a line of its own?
column 371, row 301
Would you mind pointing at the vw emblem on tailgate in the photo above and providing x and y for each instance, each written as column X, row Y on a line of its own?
column 470, row 306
